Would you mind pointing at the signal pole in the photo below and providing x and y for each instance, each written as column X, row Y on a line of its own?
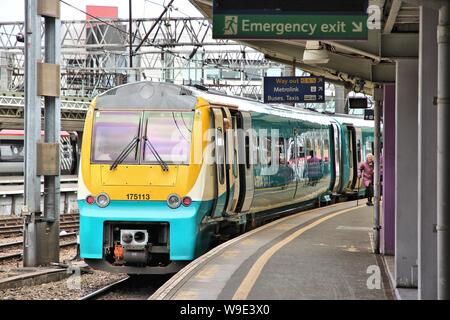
column 42, row 79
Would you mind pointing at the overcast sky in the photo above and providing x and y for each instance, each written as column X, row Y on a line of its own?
column 141, row 9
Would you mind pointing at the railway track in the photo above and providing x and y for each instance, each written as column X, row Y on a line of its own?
column 18, row 255
column 106, row 289
column 14, row 244
column 130, row 288
column 14, row 226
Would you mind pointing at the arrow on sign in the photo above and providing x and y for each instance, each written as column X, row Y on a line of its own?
column 357, row 27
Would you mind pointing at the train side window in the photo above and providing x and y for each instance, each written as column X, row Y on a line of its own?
column 220, row 153
column 326, row 150
column 358, row 148
column 300, row 148
column 309, row 147
column 281, row 151
column 247, row 151
column 258, row 150
column 291, row 151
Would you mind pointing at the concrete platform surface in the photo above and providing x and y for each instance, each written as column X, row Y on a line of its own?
column 324, row 253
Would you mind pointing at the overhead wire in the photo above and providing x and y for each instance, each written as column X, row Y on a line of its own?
column 160, row 46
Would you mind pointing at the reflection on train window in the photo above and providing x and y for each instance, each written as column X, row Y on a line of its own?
column 170, row 135
column 11, row 151
column 112, row 132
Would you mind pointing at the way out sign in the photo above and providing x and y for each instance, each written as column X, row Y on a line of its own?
column 299, row 19
column 294, row 90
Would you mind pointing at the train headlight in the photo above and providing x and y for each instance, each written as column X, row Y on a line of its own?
column 173, row 201
column 102, row 200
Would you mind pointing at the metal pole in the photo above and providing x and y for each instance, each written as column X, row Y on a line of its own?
column 378, row 96
column 32, row 192
column 41, row 231
column 52, row 123
column 443, row 169
column 130, row 27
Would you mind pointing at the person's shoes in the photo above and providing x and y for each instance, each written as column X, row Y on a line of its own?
column 369, row 204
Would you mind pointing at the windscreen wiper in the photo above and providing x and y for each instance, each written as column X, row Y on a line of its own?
column 125, row 152
column 155, row 153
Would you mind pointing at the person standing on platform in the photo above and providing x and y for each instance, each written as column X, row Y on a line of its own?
column 366, row 173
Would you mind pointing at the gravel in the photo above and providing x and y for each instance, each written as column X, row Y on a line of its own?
column 10, row 239
column 75, row 287
column 72, row 288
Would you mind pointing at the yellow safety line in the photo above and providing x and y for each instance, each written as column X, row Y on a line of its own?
column 250, row 279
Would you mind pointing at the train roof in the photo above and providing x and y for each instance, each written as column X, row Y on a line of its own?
column 161, row 95
column 146, row 95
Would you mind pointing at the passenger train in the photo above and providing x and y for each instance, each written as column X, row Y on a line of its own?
column 12, row 152
column 167, row 171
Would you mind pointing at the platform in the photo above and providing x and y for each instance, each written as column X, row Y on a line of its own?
column 324, row 253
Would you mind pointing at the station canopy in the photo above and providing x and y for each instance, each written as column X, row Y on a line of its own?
column 353, row 62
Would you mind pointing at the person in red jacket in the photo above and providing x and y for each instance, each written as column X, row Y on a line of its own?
column 366, row 173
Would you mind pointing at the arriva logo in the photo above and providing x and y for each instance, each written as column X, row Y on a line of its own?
column 231, row 25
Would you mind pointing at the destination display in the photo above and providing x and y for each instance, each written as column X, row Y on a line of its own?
column 308, row 20
column 294, row 89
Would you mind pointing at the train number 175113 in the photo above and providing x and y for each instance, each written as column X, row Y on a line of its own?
column 138, row 196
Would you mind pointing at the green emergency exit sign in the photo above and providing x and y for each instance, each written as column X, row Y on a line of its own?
column 289, row 27
column 299, row 19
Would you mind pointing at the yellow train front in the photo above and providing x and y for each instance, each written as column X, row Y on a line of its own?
column 167, row 170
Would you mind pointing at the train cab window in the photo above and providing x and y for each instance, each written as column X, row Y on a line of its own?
column 112, row 132
column 170, row 135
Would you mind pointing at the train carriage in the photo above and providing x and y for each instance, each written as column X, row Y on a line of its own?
column 168, row 170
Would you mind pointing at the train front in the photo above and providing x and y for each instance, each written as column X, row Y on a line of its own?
column 141, row 198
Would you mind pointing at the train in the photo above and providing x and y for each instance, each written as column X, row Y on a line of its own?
column 12, row 152
column 168, row 171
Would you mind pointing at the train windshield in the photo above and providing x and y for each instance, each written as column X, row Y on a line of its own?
column 170, row 134
column 112, row 132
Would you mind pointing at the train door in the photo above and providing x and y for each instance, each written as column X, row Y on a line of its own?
column 239, row 186
column 336, row 156
column 220, row 184
column 231, row 167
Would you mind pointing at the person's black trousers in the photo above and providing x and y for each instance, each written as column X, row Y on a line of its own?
column 369, row 192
